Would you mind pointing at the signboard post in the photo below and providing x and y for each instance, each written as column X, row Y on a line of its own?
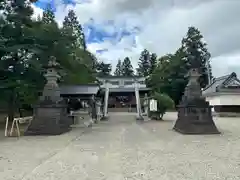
column 153, row 105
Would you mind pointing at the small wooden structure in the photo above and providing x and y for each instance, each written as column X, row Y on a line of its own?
column 84, row 97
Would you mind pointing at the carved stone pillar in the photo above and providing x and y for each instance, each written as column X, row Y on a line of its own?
column 146, row 104
column 138, row 104
column 106, row 97
column 98, row 109
column 93, row 109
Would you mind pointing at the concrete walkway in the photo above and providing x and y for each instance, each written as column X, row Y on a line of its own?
column 121, row 149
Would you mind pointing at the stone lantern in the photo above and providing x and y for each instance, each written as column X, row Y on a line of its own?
column 194, row 112
column 50, row 113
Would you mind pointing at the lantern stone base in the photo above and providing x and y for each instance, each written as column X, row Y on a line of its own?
column 49, row 120
column 195, row 117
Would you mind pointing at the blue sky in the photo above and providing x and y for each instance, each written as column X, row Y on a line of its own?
column 115, row 29
column 98, row 32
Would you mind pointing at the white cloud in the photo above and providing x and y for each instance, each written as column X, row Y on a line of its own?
column 225, row 64
column 119, row 51
column 37, row 11
column 163, row 23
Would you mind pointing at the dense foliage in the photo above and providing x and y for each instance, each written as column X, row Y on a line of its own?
column 118, row 70
column 164, row 103
column 103, row 69
column 168, row 74
column 127, row 68
column 124, row 68
column 26, row 45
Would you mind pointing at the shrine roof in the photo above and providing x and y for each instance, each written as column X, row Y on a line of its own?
column 227, row 83
column 125, row 89
column 87, row 89
column 121, row 77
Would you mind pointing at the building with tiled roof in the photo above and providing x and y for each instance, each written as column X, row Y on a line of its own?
column 120, row 89
column 224, row 93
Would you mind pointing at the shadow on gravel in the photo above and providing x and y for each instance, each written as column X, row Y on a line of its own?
column 156, row 122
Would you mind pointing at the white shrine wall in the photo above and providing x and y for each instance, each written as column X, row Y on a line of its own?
column 224, row 99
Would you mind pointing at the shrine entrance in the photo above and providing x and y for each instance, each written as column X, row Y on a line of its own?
column 122, row 93
column 122, row 102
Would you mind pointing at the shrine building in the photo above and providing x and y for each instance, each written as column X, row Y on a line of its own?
column 224, row 94
column 117, row 93
column 123, row 92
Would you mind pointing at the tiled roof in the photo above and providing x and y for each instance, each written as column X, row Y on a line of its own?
column 125, row 89
column 217, row 83
column 120, row 77
column 92, row 89
column 80, row 89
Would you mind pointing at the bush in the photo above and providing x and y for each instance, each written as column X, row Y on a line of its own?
column 164, row 102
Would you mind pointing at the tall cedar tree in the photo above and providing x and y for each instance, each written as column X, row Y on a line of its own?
column 118, row 70
column 87, row 66
column 196, row 50
column 127, row 68
column 144, row 63
column 153, row 62
column 49, row 38
column 48, row 16
column 152, row 67
column 72, row 24
column 104, row 69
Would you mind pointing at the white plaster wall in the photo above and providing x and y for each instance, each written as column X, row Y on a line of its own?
column 213, row 100
column 226, row 99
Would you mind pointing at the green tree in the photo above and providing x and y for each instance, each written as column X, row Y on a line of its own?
column 25, row 48
column 164, row 103
column 71, row 24
column 16, row 45
column 178, row 76
column 127, row 68
column 104, row 69
column 85, row 71
column 195, row 49
column 48, row 16
column 153, row 62
column 76, row 63
column 118, row 70
column 169, row 76
column 158, row 80
column 144, row 63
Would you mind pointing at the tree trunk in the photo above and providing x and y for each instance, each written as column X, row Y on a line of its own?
column 20, row 112
column 18, row 104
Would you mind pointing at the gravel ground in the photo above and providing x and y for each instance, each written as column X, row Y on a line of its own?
column 121, row 149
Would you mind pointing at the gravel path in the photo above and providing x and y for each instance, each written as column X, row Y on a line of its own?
column 121, row 149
